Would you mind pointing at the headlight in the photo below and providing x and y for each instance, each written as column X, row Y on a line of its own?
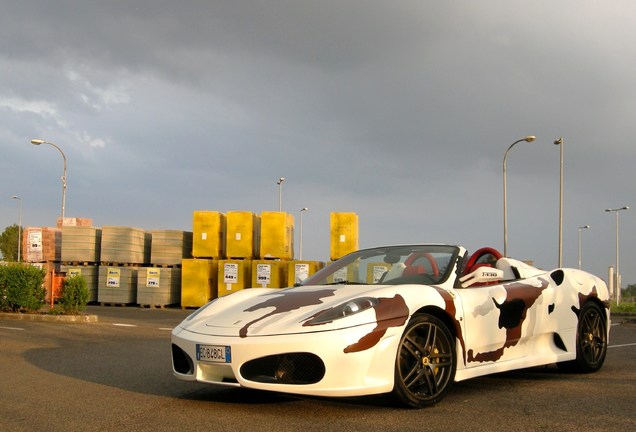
column 349, row 308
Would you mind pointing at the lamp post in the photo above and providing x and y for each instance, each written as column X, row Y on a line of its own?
column 15, row 197
column 580, row 229
column 618, row 274
column 39, row 142
column 300, row 236
column 559, row 142
column 280, row 193
column 529, row 138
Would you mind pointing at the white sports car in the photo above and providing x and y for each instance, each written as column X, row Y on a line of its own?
column 405, row 320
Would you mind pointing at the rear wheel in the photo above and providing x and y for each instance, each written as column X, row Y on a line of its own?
column 591, row 340
column 426, row 362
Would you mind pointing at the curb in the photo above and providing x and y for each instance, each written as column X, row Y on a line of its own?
column 623, row 318
column 41, row 317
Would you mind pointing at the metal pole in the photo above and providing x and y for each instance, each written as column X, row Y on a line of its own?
column 618, row 273
column 559, row 142
column 19, row 226
column 581, row 228
column 300, row 246
column 505, row 203
column 38, row 142
column 280, row 193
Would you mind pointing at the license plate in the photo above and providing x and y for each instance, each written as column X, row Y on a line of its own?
column 214, row 353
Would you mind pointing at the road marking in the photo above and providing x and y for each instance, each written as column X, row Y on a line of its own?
column 11, row 328
column 124, row 325
column 165, row 328
column 622, row 346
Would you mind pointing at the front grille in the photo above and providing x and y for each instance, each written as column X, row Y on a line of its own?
column 181, row 362
column 291, row 368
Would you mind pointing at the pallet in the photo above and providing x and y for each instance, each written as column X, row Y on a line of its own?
column 79, row 263
column 115, row 304
column 154, row 306
column 165, row 265
column 118, row 264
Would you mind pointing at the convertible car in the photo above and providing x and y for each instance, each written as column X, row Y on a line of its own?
column 408, row 321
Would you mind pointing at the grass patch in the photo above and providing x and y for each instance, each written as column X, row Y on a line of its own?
column 624, row 307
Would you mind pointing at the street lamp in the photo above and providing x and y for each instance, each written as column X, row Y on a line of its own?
column 300, row 246
column 15, row 197
column 280, row 193
column 618, row 275
column 580, row 229
column 39, row 142
column 529, row 138
column 559, row 142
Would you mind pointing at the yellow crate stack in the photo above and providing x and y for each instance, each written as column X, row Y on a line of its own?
column 198, row 281
column 208, row 238
column 269, row 274
column 375, row 271
column 298, row 271
column 242, row 235
column 344, row 234
column 234, row 275
column 276, row 235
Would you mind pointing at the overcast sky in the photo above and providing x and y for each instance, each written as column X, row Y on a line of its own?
column 399, row 111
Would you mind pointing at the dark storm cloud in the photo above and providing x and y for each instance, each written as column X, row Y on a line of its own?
column 399, row 111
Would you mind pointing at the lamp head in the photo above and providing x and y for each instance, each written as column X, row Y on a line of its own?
column 280, row 180
column 530, row 138
column 559, row 141
column 304, row 209
column 37, row 141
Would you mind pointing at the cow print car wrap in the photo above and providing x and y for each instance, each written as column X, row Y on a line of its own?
column 406, row 320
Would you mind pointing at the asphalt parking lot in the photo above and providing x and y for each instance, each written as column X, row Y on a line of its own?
column 115, row 374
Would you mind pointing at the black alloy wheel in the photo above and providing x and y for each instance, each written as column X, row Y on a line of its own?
column 426, row 362
column 591, row 340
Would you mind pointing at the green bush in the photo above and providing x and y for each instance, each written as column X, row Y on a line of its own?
column 74, row 295
column 21, row 288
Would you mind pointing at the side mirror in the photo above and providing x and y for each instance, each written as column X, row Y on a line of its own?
column 481, row 275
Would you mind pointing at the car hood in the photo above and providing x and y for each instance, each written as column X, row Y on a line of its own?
column 263, row 312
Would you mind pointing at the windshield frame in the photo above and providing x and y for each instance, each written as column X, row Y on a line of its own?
column 329, row 274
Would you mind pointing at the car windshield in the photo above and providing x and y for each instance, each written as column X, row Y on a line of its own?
column 393, row 265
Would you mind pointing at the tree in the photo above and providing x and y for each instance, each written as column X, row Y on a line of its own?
column 9, row 243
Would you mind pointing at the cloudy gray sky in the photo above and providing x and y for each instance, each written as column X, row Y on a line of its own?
column 399, row 111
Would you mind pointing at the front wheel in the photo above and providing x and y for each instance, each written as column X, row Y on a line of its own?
column 591, row 340
column 426, row 362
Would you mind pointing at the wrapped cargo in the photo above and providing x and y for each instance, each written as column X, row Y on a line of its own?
column 208, row 234
column 344, row 234
column 198, row 281
column 234, row 275
column 242, row 235
column 276, row 235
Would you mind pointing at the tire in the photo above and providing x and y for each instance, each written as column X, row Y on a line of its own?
column 425, row 364
column 591, row 340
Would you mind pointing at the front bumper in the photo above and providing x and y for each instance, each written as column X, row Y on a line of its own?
column 309, row 363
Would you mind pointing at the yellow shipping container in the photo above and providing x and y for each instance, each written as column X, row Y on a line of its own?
column 208, row 238
column 277, row 235
column 198, row 281
column 241, row 234
column 344, row 234
column 298, row 271
column 269, row 274
column 234, row 275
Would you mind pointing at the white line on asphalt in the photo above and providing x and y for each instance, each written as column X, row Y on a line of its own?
column 11, row 328
column 124, row 325
column 622, row 346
